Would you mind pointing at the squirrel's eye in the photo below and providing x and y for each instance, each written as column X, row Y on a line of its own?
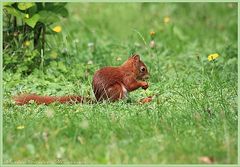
column 142, row 69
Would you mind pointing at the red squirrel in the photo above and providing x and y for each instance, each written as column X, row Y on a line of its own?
column 109, row 83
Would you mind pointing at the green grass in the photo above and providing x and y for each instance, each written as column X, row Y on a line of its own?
column 194, row 110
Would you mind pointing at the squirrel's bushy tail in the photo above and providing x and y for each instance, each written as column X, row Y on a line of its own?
column 26, row 98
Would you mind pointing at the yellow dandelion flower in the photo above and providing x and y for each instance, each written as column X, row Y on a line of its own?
column 213, row 56
column 27, row 16
column 27, row 43
column 57, row 29
column 152, row 33
column 20, row 127
column 166, row 19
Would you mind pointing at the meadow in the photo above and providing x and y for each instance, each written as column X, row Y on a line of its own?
column 193, row 114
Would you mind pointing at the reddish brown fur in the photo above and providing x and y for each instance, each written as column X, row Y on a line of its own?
column 24, row 99
column 109, row 83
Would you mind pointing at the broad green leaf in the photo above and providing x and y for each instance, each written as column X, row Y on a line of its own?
column 8, row 3
column 61, row 11
column 14, row 12
column 48, row 17
column 50, row 4
column 58, row 9
column 25, row 5
column 33, row 10
column 33, row 20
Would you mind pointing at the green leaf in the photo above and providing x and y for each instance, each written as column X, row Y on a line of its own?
column 25, row 5
column 58, row 9
column 14, row 12
column 8, row 3
column 48, row 17
column 33, row 10
column 33, row 20
column 50, row 4
column 62, row 11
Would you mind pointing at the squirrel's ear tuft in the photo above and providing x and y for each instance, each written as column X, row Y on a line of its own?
column 136, row 57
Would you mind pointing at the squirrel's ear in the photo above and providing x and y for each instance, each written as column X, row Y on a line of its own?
column 136, row 57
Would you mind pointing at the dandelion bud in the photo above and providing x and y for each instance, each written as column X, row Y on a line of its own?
column 152, row 44
column 152, row 33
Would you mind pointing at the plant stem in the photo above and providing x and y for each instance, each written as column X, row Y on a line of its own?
column 43, row 37
column 14, row 24
column 37, row 33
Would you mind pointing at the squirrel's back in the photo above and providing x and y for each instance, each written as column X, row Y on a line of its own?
column 105, row 78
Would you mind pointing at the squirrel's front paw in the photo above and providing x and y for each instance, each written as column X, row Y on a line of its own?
column 144, row 85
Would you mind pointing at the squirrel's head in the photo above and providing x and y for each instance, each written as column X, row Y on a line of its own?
column 139, row 68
